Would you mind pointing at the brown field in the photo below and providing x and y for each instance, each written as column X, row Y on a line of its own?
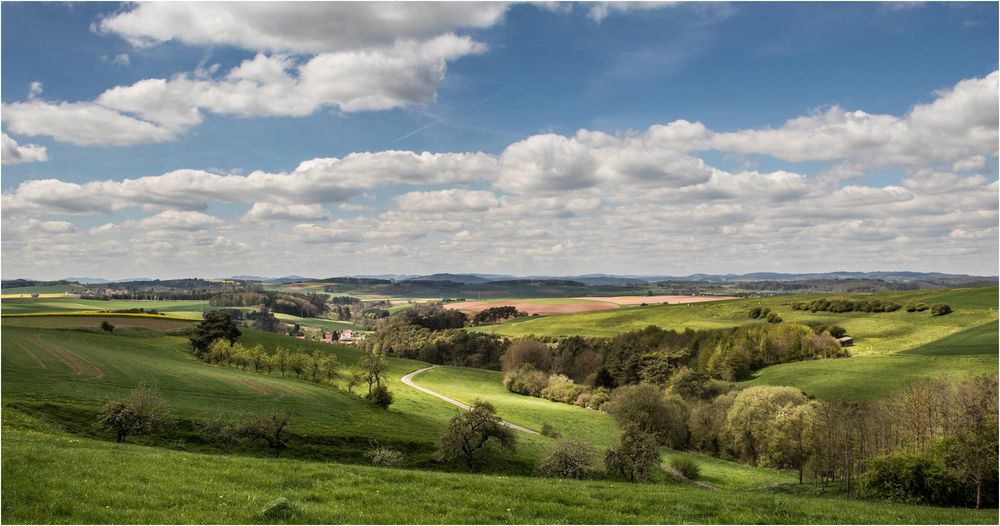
column 547, row 306
column 564, row 306
column 651, row 300
column 72, row 322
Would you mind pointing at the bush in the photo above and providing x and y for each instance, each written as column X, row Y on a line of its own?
column 773, row 318
column 549, row 431
column 107, row 327
column 143, row 412
column 940, row 309
column 755, row 312
column 561, row 389
column 913, row 478
column 380, row 397
column 916, row 307
column 277, row 509
column 686, row 467
column 634, row 456
column 526, row 380
column 383, row 456
column 599, row 397
column 570, row 458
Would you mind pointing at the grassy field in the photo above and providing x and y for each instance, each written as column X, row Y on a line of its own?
column 874, row 333
column 190, row 309
column 52, row 477
column 464, row 384
column 58, row 467
column 42, row 289
column 972, row 351
column 184, row 308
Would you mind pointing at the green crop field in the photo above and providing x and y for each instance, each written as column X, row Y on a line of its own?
column 190, row 309
column 44, row 289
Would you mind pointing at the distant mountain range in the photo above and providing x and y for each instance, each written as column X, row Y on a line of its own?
column 603, row 279
column 101, row 281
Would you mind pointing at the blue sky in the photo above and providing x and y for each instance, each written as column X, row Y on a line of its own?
column 516, row 83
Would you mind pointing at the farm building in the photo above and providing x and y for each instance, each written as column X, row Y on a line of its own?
column 346, row 336
column 846, row 341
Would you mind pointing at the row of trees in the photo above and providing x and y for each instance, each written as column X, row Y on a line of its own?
column 214, row 340
column 844, row 305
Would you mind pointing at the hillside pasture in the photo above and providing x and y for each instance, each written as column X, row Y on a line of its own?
column 874, row 333
column 52, row 477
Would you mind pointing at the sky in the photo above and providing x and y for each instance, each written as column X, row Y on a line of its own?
column 194, row 139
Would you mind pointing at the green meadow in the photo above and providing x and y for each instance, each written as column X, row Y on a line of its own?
column 49, row 476
column 58, row 370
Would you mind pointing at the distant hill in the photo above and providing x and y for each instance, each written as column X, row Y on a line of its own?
column 466, row 279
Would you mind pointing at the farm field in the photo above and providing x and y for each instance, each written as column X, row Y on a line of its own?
column 189, row 309
column 41, row 290
column 184, row 308
column 549, row 306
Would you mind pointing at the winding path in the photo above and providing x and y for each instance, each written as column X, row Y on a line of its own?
column 408, row 380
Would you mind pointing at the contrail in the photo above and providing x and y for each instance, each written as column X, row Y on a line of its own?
column 439, row 120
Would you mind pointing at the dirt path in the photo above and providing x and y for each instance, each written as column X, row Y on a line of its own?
column 408, row 380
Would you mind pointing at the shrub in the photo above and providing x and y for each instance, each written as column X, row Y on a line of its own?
column 383, row 456
column 526, row 380
column 914, row 478
column 569, row 458
column 755, row 312
column 380, row 397
column 916, row 307
column 773, row 318
column 107, row 327
column 599, row 397
column 561, row 388
column 549, row 431
column 634, row 456
column 940, row 309
column 277, row 509
column 143, row 412
column 686, row 467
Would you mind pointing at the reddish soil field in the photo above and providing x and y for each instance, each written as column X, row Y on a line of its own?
column 572, row 305
column 587, row 305
column 652, row 300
